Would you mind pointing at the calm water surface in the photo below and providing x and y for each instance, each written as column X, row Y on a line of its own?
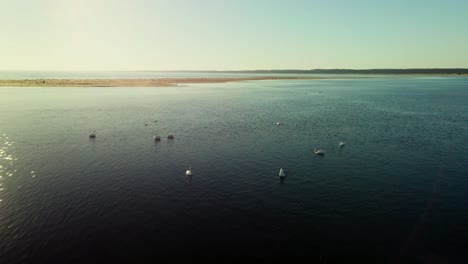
column 396, row 191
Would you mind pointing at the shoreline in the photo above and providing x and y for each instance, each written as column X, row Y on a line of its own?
column 140, row 82
column 166, row 82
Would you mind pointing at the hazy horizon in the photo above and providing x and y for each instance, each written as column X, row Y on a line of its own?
column 143, row 35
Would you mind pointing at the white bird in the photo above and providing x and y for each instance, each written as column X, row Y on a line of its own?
column 319, row 152
column 189, row 171
column 93, row 135
column 170, row 136
column 278, row 123
column 342, row 143
column 156, row 138
column 281, row 173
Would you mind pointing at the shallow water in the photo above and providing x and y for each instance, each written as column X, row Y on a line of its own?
column 396, row 190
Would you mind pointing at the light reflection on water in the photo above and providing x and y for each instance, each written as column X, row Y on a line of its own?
column 8, row 167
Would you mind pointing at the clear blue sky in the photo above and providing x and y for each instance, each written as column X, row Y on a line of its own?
column 232, row 35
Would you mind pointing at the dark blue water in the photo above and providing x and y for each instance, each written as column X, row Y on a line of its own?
column 395, row 192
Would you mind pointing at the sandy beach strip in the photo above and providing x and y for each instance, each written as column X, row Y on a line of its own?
column 156, row 82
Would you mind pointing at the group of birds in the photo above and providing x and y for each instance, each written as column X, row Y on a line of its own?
column 319, row 152
column 158, row 138
column 188, row 172
column 155, row 137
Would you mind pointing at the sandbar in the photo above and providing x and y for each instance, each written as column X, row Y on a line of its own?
column 141, row 82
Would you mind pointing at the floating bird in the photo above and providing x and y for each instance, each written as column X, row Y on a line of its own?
column 319, row 152
column 93, row 135
column 342, row 143
column 189, row 171
column 278, row 123
column 157, row 138
column 170, row 136
column 281, row 173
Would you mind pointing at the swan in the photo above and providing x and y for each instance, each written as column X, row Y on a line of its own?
column 93, row 135
column 189, row 171
column 170, row 136
column 342, row 143
column 157, row 138
column 319, row 152
column 281, row 173
column 278, row 123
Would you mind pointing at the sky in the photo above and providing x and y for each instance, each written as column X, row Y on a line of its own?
column 232, row 34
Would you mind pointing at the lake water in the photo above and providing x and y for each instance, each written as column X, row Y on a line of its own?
column 396, row 191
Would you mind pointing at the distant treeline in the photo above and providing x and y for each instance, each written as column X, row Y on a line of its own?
column 350, row 71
